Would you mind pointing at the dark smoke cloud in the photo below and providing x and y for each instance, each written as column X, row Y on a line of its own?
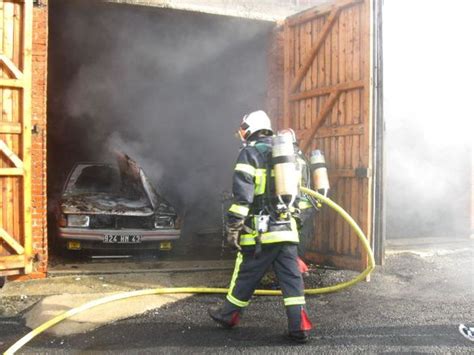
column 166, row 87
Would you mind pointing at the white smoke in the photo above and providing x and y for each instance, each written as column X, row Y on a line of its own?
column 429, row 116
column 167, row 87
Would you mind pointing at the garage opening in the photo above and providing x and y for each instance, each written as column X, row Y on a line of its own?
column 166, row 88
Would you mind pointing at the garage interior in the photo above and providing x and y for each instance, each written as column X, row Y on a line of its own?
column 167, row 87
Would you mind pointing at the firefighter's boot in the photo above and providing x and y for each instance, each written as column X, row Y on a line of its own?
column 299, row 324
column 226, row 318
column 299, row 336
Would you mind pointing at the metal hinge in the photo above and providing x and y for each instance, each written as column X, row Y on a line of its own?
column 362, row 172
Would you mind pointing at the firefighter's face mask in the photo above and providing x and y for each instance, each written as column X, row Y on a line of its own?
column 242, row 133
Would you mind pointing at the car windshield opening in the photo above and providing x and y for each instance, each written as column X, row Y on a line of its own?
column 98, row 179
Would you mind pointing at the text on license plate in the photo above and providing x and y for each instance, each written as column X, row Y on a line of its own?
column 122, row 239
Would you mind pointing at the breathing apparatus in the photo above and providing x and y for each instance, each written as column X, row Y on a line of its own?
column 282, row 195
column 287, row 176
column 319, row 172
column 288, row 163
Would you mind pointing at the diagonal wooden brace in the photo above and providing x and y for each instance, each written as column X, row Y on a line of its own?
column 11, row 67
column 329, row 104
column 11, row 242
column 10, row 155
column 309, row 59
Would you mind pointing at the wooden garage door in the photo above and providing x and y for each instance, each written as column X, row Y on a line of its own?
column 15, row 136
column 327, row 98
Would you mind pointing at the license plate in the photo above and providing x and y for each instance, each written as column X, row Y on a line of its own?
column 122, row 239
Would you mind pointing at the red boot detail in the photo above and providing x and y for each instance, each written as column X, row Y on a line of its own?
column 235, row 319
column 305, row 322
column 302, row 266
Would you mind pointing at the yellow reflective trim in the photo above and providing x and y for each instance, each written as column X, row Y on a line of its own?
column 246, row 168
column 272, row 237
column 240, row 210
column 229, row 297
column 247, row 239
column 275, row 237
column 236, row 302
column 302, row 205
column 293, row 301
column 260, row 181
column 238, row 261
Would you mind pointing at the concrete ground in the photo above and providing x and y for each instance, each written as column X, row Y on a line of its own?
column 413, row 304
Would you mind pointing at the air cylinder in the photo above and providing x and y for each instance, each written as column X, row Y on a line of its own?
column 284, row 165
column 319, row 172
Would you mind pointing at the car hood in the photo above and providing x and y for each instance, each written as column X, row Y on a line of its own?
column 105, row 204
column 136, row 197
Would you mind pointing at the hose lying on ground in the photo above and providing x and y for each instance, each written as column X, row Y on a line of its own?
column 194, row 290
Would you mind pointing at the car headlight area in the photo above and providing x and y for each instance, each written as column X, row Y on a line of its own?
column 78, row 220
column 164, row 222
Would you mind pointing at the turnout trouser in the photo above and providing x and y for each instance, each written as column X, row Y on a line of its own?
column 248, row 272
column 307, row 229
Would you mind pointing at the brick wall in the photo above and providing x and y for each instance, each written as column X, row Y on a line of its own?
column 39, row 195
column 274, row 99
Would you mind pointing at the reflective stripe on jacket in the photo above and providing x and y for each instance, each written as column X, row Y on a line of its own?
column 249, row 179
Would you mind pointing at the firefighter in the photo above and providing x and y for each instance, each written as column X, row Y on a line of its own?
column 259, row 246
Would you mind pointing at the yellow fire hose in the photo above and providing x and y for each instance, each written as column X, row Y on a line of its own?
column 174, row 290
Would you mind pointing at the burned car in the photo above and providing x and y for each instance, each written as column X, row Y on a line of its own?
column 110, row 208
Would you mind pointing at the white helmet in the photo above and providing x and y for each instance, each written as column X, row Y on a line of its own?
column 254, row 122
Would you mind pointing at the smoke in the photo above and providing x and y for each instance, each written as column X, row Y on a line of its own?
column 427, row 76
column 168, row 88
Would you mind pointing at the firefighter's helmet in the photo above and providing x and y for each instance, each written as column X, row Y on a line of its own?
column 254, row 122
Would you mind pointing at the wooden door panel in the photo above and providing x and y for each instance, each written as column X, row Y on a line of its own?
column 15, row 136
column 327, row 99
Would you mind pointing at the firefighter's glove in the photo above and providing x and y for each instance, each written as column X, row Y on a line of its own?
column 232, row 233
